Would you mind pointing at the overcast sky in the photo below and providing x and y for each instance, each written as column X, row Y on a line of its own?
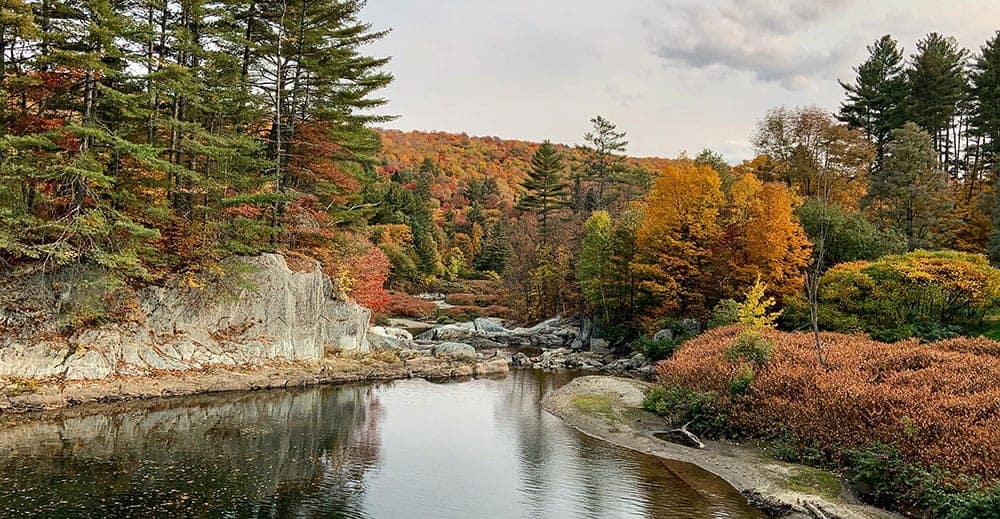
column 677, row 75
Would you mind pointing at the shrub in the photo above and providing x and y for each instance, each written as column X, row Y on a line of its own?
column 681, row 405
column 405, row 305
column 656, row 350
column 931, row 295
column 726, row 312
column 741, row 384
column 750, row 347
column 936, row 403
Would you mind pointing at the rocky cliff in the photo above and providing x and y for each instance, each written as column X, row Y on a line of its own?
column 280, row 315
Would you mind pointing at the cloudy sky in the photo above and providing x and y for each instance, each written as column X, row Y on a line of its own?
column 677, row 75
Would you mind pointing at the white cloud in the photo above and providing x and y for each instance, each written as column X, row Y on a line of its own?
column 768, row 38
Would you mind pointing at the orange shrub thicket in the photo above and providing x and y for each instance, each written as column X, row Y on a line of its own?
column 401, row 304
column 937, row 403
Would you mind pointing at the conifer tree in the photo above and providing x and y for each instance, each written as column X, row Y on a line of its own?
column 492, row 256
column 985, row 95
column 604, row 169
column 875, row 101
column 545, row 190
column 937, row 86
column 909, row 193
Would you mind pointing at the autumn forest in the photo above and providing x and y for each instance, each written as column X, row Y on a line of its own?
column 147, row 142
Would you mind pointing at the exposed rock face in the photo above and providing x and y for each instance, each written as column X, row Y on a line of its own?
column 285, row 316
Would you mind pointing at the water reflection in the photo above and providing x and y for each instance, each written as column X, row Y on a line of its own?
column 406, row 449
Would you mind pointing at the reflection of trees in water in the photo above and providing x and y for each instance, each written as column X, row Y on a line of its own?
column 265, row 454
column 557, row 470
column 565, row 473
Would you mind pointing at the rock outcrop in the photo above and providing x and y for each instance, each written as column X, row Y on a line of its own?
column 278, row 315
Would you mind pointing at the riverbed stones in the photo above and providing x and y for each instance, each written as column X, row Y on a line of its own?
column 388, row 338
column 490, row 326
column 455, row 350
column 449, row 332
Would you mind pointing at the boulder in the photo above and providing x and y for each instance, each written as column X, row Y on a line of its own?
column 388, row 338
column 690, row 326
column 490, row 325
column 396, row 333
column 665, row 334
column 384, row 342
column 599, row 345
column 449, row 332
column 455, row 350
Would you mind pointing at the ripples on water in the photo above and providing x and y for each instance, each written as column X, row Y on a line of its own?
column 408, row 449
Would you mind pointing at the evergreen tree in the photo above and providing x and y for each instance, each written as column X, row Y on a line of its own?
column 875, row 101
column 909, row 193
column 205, row 119
column 985, row 94
column 492, row 255
column 603, row 169
column 937, row 87
column 545, row 190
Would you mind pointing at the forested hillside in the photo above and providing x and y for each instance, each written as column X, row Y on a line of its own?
column 149, row 140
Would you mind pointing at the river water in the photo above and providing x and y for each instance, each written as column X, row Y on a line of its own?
column 406, row 449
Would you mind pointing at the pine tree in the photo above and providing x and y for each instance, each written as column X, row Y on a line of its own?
column 937, row 87
column 545, row 190
column 603, row 168
column 985, row 94
column 909, row 193
column 493, row 253
column 875, row 101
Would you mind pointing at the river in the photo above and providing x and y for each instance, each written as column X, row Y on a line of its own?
column 405, row 449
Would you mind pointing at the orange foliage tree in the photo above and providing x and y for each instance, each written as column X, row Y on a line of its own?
column 680, row 225
column 698, row 244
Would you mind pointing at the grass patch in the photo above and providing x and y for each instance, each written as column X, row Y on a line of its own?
column 814, row 481
column 596, row 405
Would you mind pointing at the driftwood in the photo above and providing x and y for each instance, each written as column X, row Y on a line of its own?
column 815, row 510
column 681, row 436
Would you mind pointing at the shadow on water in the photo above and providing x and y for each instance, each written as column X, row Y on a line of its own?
column 411, row 449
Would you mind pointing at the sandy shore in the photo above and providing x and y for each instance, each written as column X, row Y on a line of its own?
column 18, row 396
column 610, row 409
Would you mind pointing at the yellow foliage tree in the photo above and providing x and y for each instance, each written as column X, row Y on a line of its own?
column 761, row 238
column 679, row 228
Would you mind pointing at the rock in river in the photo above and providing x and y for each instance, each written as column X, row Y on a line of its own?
column 455, row 350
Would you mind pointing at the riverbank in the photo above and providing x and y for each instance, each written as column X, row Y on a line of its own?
column 18, row 395
column 610, row 409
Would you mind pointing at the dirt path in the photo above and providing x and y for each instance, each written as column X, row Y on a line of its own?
column 610, row 409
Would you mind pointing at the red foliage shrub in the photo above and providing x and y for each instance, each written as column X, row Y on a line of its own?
column 370, row 271
column 938, row 403
column 461, row 299
column 405, row 305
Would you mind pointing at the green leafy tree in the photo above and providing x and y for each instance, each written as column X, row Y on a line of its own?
column 715, row 161
column 605, row 271
column 909, row 193
column 849, row 236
